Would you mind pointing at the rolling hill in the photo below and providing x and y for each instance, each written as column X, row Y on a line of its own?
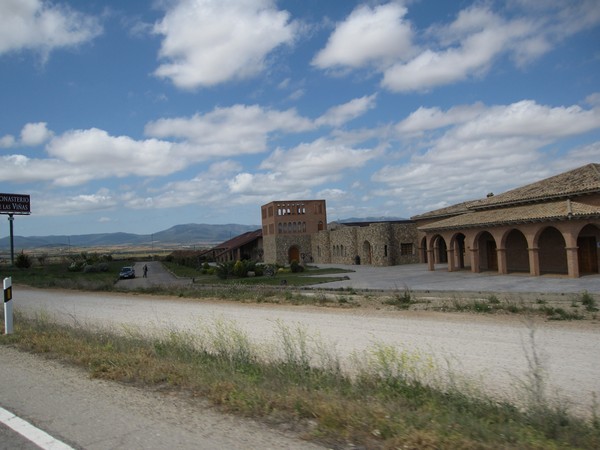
column 185, row 235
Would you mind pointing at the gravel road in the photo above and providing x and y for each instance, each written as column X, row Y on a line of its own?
column 488, row 349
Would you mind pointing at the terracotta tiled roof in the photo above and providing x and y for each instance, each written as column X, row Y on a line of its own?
column 459, row 208
column 582, row 180
column 557, row 210
column 238, row 241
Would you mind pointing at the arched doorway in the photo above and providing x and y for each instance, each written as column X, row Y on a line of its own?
column 587, row 249
column 517, row 256
column 440, row 250
column 293, row 254
column 488, row 255
column 552, row 254
column 367, row 252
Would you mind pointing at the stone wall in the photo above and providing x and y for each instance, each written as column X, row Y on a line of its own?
column 277, row 248
column 378, row 244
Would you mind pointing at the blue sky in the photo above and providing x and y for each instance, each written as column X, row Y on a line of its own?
column 136, row 116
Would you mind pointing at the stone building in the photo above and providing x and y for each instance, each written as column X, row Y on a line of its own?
column 373, row 243
column 551, row 226
column 287, row 228
column 298, row 230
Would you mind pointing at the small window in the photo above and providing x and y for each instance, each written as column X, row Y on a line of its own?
column 406, row 249
column 385, row 250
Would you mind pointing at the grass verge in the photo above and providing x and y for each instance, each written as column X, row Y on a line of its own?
column 394, row 399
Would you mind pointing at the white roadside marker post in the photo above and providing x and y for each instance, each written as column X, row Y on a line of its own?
column 8, row 306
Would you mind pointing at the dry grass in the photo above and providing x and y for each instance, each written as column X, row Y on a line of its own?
column 396, row 399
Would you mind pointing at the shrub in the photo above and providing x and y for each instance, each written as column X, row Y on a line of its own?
column 239, row 269
column 90, row 268
column 76, row 266
column 588, row 301
column 295, row 266
column 224, row 270
column 23, row 261
column 492, row 299
column 401, row 300
column 259, row 270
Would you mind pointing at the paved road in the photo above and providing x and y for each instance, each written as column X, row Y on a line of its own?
column 99, row 415
column 418, row 278
column 157, row 275
column 413, row 276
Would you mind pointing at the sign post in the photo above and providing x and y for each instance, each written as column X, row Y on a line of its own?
column 8, row 306
column 12, row 204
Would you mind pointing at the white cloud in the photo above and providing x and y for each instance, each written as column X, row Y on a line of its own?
column 205, row 189
column 338, row 115
column 425, row 119
column 318, row 160
column 207, row 42
column 230, row 131
column 293, row 173
column 529, row 119
column 43, row 26
column 582, row 155
column 483, row 149
column 332, row 194
column 102, row 155
column 481, row 36
column 369, row 35
column 7, row 141
column 468, row 47
column 34, row 134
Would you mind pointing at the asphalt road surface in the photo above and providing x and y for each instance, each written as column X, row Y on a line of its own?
column 94, row 414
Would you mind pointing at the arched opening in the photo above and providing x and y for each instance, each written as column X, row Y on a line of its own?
column 293, row 254
column 517, row 256
column 552, row 254
column 587, row 249
column 488, row 255
column 440, row 250
column 458, row 243
column 320, row 226
column 367, row 252
column 424, row 250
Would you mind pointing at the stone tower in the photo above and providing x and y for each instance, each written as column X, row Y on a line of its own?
column 287, row 228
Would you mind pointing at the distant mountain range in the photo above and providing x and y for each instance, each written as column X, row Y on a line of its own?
column 188, row 235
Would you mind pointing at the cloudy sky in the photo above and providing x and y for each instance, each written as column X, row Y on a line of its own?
column 136, row 116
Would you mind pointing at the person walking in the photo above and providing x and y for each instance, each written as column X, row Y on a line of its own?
column 145, row 271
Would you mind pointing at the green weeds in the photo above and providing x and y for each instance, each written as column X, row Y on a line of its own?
column 389, row 398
